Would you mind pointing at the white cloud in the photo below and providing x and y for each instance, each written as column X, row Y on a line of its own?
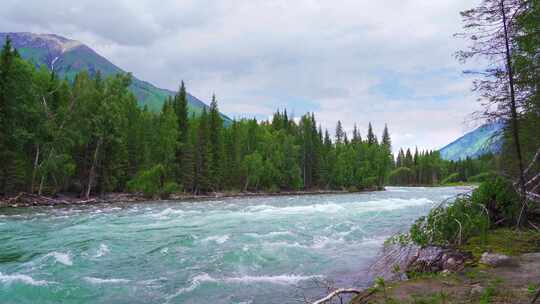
column 308, row 55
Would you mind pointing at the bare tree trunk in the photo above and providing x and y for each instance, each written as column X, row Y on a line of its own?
column 34, row 171
column 40, row 191
column 92, row 173
column 515, row 124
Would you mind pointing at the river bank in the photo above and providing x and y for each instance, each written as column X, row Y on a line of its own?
column 504, row 268
column 29, row 200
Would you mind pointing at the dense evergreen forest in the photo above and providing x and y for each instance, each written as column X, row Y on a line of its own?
column 427, row 168
column 89, row 136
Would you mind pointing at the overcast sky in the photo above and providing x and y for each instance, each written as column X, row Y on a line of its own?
column 384, row 61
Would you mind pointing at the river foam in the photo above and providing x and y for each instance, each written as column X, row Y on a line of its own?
column 389, row 204
column 60, row 257
column 94, row 280
column 102, row 251
column 21, row 278
column 219, row 239
column 285, row 279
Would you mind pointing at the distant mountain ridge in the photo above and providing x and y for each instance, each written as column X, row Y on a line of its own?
column 485, row 139
column 68, row 57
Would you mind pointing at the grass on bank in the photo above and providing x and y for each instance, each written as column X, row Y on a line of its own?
column 475, row 284
column 483, row 221
column 505, row 241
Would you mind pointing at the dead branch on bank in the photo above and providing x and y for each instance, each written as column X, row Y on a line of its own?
column 336, row 293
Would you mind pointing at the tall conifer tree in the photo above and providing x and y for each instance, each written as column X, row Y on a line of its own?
column 371, row 138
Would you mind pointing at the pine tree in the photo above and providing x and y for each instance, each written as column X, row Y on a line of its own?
column 216, row 145
column 308, row 137
column 357, row 138
column 386, row 141
column 202, row 156
column 371, row 138
column 17, row 102
column 232, row 148
column 184, row 151
column 285, row 120
column 399, row 160
column 340, row 135
column 6, row 157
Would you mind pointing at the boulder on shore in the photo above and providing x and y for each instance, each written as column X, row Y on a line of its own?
column 495, row 259
column 397, row 260
column 436, row 259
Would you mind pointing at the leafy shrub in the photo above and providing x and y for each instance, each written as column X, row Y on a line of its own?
column 149, row 182
column 482, row 177
column 493, row 203
column 168, row 189
column 452, row 178
column 450, row 225
column 500, row 199
column 352, row 189
column 273, row 189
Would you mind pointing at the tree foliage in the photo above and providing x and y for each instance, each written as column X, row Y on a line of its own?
column 89, row 136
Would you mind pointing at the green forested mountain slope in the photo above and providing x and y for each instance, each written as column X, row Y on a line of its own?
column 68, row 57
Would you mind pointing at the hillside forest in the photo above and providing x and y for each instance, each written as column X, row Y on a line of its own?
column 88, row 136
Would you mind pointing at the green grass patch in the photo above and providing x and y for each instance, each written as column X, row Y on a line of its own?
column 504, row 241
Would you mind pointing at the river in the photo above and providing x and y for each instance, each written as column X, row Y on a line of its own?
column 238, row 250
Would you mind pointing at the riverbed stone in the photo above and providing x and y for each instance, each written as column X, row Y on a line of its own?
column 436, row 259
column 477, row 290
column 495, row 259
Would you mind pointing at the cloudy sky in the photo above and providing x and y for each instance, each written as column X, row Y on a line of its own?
column 384, row 61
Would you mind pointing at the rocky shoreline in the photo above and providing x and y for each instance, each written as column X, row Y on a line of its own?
column 496, row 278
column 504, row 268
column 398, row 260
column 29, row 200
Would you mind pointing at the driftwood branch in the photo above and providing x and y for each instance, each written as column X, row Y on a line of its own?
column 533, row 197
column 336, row 293
column 532, row 180
column 535, row 159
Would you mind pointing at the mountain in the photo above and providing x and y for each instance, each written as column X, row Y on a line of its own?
column 68, row 57
column 485, row 139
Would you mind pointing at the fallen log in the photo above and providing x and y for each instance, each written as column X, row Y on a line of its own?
column 338, row 292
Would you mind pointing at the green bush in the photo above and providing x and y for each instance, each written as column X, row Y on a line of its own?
column 450, row 225
column 482, row 177
column 452, row 178
column 168, row 189
column 273, row 189
column 149, row 182
column 493, row 204
column 500, row 199
column 352, row 189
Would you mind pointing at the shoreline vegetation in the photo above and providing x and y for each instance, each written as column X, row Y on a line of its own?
column 86, row 134
column 25, row 199
column 29, row 200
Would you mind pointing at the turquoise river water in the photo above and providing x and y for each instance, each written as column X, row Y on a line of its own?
column 243, row 250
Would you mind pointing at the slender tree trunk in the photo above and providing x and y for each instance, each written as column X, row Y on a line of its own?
column 92, row 173
column 515, row 124
column 34, row 171
column 40, row 191
column 246, row 184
